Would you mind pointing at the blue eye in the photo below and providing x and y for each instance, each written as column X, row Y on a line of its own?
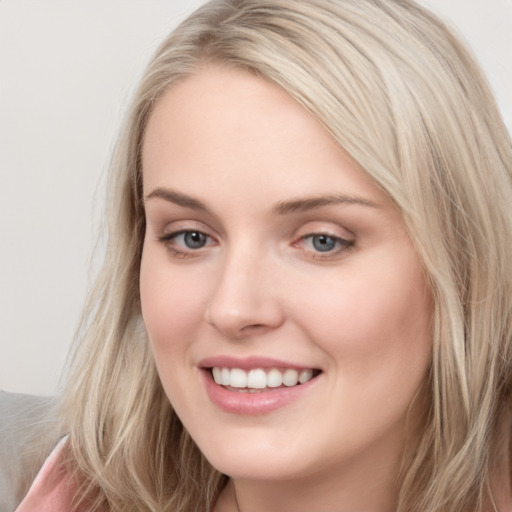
column 324, row 243
column 186, row 242
column 320, row 245
column 193, row 239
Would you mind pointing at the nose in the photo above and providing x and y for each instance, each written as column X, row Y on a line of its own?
column 245, row 300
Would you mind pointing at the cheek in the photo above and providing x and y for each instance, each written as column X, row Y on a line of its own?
column 376, row 321
column 171, row 304
column 171, row 312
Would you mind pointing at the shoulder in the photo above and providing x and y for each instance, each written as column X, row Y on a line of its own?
column 53, row 489
column 27, row 428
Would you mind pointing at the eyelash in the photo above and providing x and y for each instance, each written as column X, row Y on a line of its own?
column 169, row 241
column 340, row 244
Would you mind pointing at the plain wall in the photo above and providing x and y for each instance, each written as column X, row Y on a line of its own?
column 67, row 70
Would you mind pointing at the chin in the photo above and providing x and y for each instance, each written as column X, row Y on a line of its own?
column 264, row 469
column 257, row 459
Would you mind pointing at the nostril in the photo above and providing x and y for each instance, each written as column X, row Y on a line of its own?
column 253, row 327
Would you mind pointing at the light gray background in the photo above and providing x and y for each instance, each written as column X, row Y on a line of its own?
column 67, row 69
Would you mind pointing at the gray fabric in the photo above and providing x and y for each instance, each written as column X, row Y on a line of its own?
column 22, row 418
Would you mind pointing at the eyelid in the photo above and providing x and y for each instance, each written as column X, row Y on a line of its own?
column 184, row 225
column 325, row 228
column 344, row 242
column 174, row 234
column 168, row 239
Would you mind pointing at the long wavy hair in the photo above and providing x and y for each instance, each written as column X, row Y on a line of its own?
column 399, row 92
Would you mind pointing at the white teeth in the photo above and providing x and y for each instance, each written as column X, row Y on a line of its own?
column 290, row 377
column 305, row 375
column 217, row 374
column 257, row 378
column 238, row 378
column 274, row 378
column 225, row 377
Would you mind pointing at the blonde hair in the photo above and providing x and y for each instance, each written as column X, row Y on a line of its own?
column 399, row 92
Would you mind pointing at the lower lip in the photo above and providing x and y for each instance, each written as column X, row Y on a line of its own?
column 253, row 404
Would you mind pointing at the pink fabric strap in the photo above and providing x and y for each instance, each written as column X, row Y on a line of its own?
column 52, row 490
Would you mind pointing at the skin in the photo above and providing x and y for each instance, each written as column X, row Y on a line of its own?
column 259, row 286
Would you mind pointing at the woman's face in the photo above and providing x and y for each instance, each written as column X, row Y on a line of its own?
column 270, row 255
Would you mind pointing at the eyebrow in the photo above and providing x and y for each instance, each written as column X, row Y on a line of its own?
column 177, row 198
column 311, row 203
column 282, row 207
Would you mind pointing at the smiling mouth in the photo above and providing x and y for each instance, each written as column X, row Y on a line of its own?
column 259, row 380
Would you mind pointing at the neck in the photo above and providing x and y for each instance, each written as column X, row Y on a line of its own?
column 271, row 497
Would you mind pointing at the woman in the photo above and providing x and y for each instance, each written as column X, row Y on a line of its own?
column 307, row 294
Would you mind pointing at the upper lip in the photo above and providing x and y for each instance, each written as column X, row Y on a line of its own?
column 249, row 363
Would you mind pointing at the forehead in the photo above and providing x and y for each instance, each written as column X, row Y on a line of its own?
column 222, row 125
column 222, row 105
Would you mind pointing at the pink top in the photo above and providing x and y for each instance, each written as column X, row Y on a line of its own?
column 51, row 491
